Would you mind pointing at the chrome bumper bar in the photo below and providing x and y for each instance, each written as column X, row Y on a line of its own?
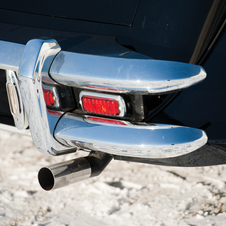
column 111, row 74
column 124, row 75
column 142, row 140
column 10, row 55
column 58, row 133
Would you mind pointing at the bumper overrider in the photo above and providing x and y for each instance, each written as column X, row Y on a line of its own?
column 58, row 130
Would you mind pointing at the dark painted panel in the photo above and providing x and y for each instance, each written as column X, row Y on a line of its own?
column 110, row 11
column 162, row 29
column 205, row 103
column 170, row 29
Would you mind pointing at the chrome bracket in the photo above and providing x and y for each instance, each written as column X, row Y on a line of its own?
column 34, row 68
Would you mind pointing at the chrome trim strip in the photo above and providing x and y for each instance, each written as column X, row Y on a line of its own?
column 13, row 129
column 10, row 55
column 124, row 75
column 114, row 121
column 143, row 141
column 119, row 99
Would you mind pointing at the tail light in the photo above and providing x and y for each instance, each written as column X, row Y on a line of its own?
column 50, row 96
column 102, row 104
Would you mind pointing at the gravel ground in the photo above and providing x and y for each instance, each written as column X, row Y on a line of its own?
column 124, row 194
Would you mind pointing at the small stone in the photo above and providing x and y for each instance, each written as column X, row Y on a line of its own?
column 223, row 208
column 199, row 216
column 219, row 205
column 200, row 212
column 217, row 197
column 216, row 211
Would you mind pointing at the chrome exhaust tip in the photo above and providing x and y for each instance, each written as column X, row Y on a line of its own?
column 72, row 171
column 46, row 178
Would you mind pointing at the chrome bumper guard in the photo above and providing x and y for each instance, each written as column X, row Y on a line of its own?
column 61, row 133
column 142, row 140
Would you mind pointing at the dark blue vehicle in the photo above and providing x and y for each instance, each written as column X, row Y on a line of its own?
column 136, row 80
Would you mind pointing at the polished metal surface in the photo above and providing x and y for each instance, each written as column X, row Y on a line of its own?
column 64, row 173
column 35, row 63
column 55, row 133
column 10, row 55
column 119, row 99
column 144, row 140
column 105, row 73
column 15, row 100
column 124, row 75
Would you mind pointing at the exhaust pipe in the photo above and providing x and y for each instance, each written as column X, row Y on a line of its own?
column 69, row 172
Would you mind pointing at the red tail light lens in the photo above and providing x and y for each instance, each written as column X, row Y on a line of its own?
column 48, row 96
column 105, row 106
column 102, row 104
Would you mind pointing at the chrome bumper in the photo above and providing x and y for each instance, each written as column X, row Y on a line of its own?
column 61, row 133
column 111, row 74
column 142, row 140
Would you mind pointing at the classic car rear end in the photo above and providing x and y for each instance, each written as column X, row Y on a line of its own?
column 114, row 79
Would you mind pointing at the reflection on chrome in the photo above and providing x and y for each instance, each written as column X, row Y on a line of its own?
column 58, row 134
column 119, row 75
column 64, row 173
column 144, row 141
column 111, row 74
column 35, row 63
column 10, row 55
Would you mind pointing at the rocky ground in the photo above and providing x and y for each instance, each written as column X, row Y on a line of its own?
column 124, row 194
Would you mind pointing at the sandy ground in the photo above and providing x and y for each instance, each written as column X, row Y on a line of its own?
column 124, row 194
